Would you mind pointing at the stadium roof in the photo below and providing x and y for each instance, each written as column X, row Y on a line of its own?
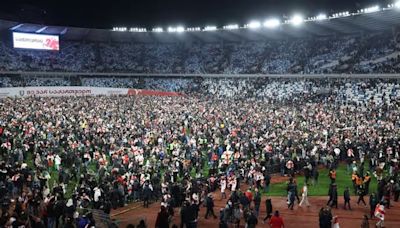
column 370, row 22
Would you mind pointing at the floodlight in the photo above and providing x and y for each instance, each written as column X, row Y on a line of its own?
column 254, row 25
column 210, row 28
column 272, row 23
column 231, row 27
column 297, row 20
column 321, row 17
column 397, row 4
column 180, row 29
column 193, row 29
column 158, row 29
column 371, row 9
column 120, row 29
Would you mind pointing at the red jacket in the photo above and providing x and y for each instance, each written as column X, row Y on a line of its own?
column 276, row 222
column 249, row 195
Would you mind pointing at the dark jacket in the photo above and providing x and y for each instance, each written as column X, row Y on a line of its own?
column 209, row 202
column 373, row 201
column 346, row 195
column 268, row 206
column 257, row 199
column 252, row 221
column 162, row 219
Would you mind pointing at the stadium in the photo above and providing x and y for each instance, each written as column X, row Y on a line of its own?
column 274, row 122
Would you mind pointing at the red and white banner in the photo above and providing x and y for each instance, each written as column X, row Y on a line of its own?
column 63, row 91
column 36, row 41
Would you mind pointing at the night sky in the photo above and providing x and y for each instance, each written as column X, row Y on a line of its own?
column 153, row 13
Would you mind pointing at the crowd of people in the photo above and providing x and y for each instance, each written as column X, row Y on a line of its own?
column 62, row 158
column 361, row 53
column 344, row 91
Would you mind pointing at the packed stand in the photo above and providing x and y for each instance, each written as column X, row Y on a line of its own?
column 110, row 82
column 368, row 53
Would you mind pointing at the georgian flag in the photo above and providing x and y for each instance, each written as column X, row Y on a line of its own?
column 380, row 212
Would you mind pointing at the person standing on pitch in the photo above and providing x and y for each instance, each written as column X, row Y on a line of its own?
column 332, row 175
column 292, row 198
column 276, row 221
column 304, row 196
column 268, row 207
column 333, row 196
column 223, row 187
column 346, row 196
column 373, row 201
column 361, row 194
column 210, row 206
column 257, row 202
column 380, row 214
column 365, row 223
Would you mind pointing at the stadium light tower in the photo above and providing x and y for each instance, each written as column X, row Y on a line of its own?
column 272, row 23
column 254, row 25
column 297, row 20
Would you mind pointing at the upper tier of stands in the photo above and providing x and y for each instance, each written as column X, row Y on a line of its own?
column 350, row 54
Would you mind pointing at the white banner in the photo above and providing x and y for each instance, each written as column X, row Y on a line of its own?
column 60, row 91
column 36, row 41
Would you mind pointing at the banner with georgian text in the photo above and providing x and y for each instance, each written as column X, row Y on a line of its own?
column 62, row 91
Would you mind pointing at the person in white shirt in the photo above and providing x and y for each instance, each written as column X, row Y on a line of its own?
column 234, row 183
column 223, row 187
column 96, row 197
column 304, row 196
